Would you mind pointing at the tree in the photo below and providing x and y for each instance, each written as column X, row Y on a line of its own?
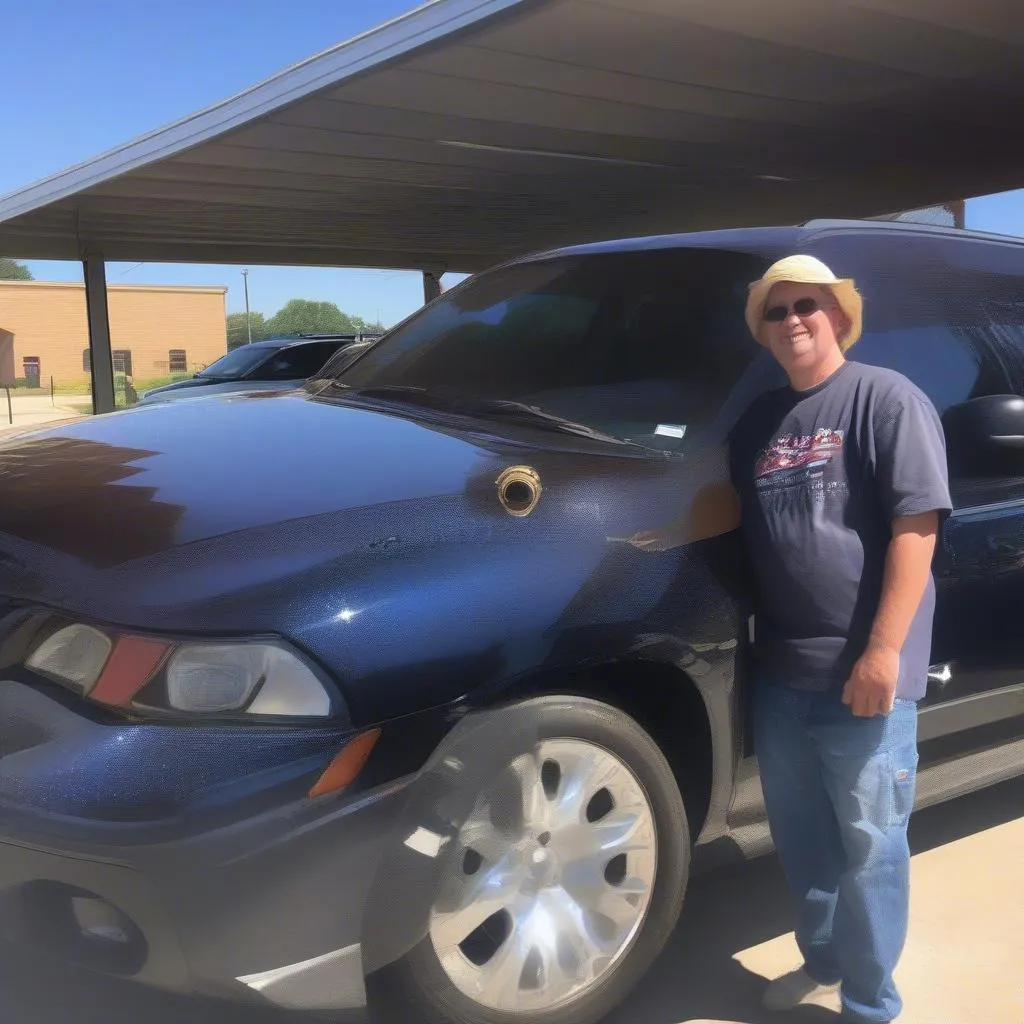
column 304, row 316
column 238, row 333
column 12, row 270
column 300, row 316
column 364, row 326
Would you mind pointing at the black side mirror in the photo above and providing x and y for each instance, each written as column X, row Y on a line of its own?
column 985, row 436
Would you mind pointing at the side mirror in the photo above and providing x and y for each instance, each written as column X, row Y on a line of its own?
column 985, row 437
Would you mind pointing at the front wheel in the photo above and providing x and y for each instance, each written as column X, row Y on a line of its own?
column 562, row 884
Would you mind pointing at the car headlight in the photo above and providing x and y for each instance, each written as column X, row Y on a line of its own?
column 260, row 678
column 264, row 679
column 75, row 654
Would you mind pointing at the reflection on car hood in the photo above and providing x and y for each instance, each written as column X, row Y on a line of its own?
column 126, row 486
column 266, row 512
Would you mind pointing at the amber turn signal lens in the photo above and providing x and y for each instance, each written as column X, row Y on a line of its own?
column 347, row 764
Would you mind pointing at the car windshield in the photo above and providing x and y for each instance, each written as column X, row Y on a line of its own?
column 237, row 363
column 642, row 346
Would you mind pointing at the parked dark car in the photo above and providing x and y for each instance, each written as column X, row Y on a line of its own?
column 357, row 689
column 276, row 364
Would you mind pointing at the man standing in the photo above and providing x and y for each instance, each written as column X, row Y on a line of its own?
column 841, row 478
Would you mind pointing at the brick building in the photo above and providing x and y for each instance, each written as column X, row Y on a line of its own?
column 155, row 331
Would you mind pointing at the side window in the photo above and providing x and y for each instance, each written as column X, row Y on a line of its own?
column 86, row 361
column 940, row 309
column 297, row 362
column 950, row 365
column 946, row 365
column 1003, row 331
column 946, row 311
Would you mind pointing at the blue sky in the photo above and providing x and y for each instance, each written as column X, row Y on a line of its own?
column 89, row 76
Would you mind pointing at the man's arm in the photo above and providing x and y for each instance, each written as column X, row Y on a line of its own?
column 715, row 510
column 871, row 688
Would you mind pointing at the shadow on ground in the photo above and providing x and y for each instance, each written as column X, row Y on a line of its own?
column 696, row 979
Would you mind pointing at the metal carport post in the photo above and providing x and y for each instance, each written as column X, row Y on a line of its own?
column 431, row 285
column 101, row 360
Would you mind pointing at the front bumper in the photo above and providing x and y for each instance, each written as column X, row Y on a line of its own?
column 182, row 917
column 268, row 905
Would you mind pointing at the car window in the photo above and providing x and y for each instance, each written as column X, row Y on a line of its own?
column 955, row 331
column 343, row 358
column 643, row 345
column 944, row 365
column 236, row 363
column 297, row 362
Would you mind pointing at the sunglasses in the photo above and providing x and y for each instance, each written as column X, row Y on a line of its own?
column 802, row 307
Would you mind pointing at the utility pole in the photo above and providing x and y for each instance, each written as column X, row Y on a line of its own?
column 248, row 322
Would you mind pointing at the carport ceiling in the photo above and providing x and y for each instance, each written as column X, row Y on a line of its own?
column 470, row 130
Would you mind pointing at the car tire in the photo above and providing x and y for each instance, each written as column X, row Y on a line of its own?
column 579, row 736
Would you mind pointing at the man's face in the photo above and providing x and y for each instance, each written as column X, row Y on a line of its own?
column 802, row 341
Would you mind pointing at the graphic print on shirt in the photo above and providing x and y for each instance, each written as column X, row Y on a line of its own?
column 794, row 458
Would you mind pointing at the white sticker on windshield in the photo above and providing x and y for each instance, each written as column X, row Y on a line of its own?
column 670, row 430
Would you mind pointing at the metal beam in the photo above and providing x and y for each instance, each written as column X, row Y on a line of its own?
column 431, row 285
column 101, row 361
column 428, row 24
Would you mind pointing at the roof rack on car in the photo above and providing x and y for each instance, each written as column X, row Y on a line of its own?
column 362, row 335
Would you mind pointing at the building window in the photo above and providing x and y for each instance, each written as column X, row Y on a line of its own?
column 87, row 361
column 33, row 370
column 178, row 362
column 122, row 361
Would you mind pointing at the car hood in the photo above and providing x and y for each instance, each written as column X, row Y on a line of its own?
column 374, row 541
column 115, row 488
column 238, row 509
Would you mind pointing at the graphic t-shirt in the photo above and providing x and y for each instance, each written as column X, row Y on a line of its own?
column 821, row 474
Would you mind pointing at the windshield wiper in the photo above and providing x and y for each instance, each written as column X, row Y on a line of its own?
column 447, row 400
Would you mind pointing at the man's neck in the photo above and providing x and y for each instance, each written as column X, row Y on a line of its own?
column 804, row 380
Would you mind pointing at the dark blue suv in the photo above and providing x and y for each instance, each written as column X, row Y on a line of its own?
column 360, row 688
column 275, row 364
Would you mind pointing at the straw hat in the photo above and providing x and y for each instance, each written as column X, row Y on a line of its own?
column 806, row 270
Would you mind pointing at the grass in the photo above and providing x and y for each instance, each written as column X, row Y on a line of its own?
column 76, row 393
column 83, row 385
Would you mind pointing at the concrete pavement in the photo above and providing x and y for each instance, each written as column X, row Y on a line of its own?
column 34, row 411
column 964, row 962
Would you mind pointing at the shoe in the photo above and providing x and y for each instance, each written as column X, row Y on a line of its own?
column 789, row 991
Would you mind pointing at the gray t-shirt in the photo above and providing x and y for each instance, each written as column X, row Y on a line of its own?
column 821, row 474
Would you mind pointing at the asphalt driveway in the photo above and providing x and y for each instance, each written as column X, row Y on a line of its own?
column 964, row 961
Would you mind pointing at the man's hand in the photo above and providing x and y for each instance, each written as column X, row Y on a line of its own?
column 871, row 688
column 715, row 510
column 654, row 540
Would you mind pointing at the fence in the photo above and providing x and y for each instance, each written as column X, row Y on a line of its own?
column 75, row 392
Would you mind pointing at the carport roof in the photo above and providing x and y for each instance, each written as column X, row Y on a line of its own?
column 470, row 130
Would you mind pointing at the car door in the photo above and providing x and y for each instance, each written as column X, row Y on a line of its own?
column 948, row 312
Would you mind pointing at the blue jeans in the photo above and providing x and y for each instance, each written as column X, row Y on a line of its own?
column 839, row 791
